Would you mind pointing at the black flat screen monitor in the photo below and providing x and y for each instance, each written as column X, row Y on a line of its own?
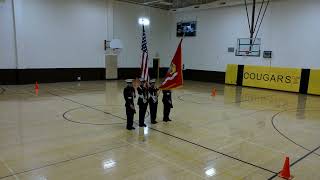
column 186, row 28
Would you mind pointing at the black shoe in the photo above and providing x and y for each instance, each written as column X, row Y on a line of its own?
column 165, row 120
column 154, row 122
column 169, row 120
column 143, row 125
column 131, row 128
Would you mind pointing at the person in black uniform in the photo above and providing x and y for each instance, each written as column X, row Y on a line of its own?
column 142, row 102
column 167, row 105
column 129, row 95
column 153, row 101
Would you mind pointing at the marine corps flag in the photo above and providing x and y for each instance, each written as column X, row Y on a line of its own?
column 174, row 77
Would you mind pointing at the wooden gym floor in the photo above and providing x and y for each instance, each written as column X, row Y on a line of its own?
column 77, row 131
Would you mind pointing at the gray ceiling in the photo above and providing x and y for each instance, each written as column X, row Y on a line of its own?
column 175, row 3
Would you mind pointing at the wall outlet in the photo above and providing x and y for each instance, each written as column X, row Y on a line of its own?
column 79, row 78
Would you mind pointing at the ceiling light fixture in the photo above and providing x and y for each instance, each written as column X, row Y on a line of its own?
column 144, row 21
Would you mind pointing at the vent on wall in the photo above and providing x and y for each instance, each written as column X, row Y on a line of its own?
column 158, row 3
column 231, row 49
column 267, row 54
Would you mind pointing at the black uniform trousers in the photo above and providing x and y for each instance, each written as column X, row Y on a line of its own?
column 142, row 113
column 153, row 111
column 130, row 115
column 166, row 111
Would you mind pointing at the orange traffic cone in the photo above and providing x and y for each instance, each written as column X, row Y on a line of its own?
column 214, row 92
column 285, row 173
column 36, row 87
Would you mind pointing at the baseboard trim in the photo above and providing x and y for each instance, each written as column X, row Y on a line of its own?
column 29, row 76
column 132, row 73
column 204, row 76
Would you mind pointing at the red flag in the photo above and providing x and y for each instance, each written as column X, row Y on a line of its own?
column 174, row 77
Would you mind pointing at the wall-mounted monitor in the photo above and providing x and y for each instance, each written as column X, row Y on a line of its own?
column 186, row 28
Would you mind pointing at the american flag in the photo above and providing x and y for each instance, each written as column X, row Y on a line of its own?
column 145, row 57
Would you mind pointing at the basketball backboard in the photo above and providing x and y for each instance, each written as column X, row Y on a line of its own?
column 248, row 47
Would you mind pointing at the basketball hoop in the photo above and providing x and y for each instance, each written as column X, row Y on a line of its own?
column 248, row 47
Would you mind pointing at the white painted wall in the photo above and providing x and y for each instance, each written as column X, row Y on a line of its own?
column 70, row 33
column 127, row 29
column 60, row 33
column 290, row 29
column 7, row 45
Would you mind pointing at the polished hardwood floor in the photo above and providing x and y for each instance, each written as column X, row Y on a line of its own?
column 77, row 131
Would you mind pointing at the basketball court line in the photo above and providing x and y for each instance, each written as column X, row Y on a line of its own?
column 235, row 102
column 73, row 121
column 311, row 152
column 90, row 107
column 297, row 161
column 176, row 137
column 11, row 170
column 70, row 120
column 272, row 120
column 2, row 90
column 218, row 152
column 286, row 137
column 179, row 137
column 10, row 92
column 163, row 159
column 72, row 90
column 148, row 114
column 61, row 162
